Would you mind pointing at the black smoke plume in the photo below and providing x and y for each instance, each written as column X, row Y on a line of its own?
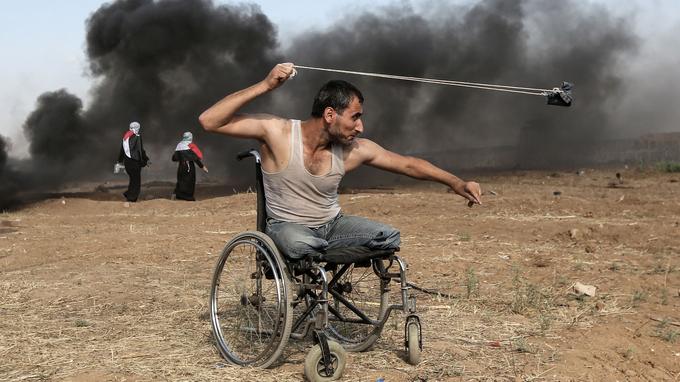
column 521, row 43
column 3, row 154
column 157, row 62
column 9, row 179
column 58, row 135
column 163, row 62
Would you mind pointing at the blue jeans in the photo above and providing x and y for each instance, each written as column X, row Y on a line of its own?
column 296, row 241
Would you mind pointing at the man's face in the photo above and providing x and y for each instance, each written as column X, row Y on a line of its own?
column 347, row 126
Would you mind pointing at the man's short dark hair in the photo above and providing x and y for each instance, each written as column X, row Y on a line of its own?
column 336, row 94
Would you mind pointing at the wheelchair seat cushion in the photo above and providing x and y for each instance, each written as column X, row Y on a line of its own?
column 350, row 255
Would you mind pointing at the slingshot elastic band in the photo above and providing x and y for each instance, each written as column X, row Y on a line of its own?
column 564, row 92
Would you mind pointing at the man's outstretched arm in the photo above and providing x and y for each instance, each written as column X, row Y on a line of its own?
column 222, row 118
column 372, row 154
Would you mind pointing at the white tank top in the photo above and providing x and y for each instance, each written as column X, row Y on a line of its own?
column 297, row 196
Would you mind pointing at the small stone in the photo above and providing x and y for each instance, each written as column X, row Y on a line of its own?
column 575, row 234
column 587, row 290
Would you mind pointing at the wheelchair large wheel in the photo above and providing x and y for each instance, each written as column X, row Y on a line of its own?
column 358, row 301
column 249, row 301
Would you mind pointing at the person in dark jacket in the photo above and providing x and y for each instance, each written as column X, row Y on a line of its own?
column 133, row 156
column 187, row 153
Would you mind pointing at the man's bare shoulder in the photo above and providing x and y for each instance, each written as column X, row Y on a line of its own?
column 277, row 133
column 271, row 126
column 361, row 150
column 275, row 145
column 365, row 147
column 278, row 129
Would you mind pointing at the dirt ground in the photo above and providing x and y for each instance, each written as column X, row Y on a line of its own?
column 92, row 289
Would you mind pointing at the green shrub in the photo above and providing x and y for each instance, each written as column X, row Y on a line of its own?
column 667, row 166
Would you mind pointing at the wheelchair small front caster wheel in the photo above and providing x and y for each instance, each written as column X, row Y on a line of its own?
column 316, row 370
column 413, row 349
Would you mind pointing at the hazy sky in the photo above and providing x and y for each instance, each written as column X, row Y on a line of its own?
column 43, row 43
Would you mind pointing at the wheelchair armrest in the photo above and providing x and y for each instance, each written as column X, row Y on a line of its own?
column 249, row 153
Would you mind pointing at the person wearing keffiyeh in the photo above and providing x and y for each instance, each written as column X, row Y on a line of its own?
column 187, row 153
column 134, row 157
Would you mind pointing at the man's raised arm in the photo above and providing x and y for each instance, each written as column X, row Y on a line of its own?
column 222, row 118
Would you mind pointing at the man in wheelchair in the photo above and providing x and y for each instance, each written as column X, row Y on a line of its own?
column 302, row 164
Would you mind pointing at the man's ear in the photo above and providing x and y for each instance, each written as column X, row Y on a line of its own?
column 329, row 114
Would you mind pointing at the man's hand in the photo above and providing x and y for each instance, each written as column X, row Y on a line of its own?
column 205, row 168
column 279, row 75
column 470, row 191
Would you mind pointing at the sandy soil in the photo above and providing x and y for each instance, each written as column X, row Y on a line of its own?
column 93, row 289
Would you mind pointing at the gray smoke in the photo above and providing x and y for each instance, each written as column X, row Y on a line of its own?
column 522, row 43
column 163, row 62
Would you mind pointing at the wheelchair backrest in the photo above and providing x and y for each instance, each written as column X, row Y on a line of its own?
column 259, row 187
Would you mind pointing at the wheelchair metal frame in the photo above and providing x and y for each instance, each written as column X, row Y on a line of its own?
column 308, row 279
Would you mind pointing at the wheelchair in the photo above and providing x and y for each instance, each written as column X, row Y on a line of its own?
column 259, row 300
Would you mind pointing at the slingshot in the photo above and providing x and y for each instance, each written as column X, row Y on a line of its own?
column 558, row 96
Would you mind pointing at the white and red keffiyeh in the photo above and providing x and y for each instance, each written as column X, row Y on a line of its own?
column 134, row 130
